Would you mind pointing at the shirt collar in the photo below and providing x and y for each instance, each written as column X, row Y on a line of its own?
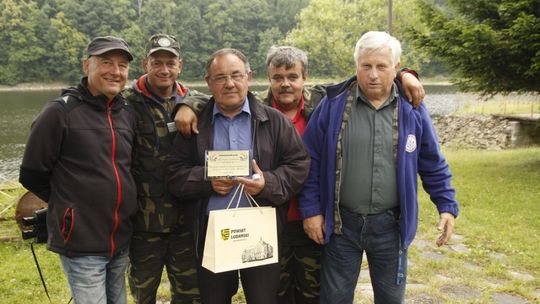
column 394, row 94
column 217, row 112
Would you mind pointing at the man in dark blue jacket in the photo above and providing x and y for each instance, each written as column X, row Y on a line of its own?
column 367, row 146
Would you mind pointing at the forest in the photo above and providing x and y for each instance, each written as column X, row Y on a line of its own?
column 492, row 46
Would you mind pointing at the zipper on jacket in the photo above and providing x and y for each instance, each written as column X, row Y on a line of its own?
column 117, row 175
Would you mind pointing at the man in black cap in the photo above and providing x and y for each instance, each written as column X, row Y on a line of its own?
column 161, row 237
column 78, row 160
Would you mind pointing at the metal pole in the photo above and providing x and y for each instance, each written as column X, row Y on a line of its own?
column 390, row 17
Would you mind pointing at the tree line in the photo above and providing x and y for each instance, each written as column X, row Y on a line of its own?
column 488, row 46
column 45, row 40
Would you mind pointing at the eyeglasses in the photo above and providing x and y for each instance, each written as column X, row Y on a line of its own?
column 222, row 79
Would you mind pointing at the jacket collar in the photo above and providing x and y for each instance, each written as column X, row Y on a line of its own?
column 82, row 93
column 267, row 97
column 139, row 86
column 334, row 90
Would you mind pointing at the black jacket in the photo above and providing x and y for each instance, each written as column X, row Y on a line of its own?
column 78, row 160
column 277, row 148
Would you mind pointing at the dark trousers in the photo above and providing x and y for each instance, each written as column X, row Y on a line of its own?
column 300, row 260
column 150, row 253
column 260, row 284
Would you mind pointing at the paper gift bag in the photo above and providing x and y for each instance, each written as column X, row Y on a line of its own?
column 239, row 238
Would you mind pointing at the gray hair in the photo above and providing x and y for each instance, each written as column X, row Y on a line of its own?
column 226, row 51
column 375, row 40
column 287, row 56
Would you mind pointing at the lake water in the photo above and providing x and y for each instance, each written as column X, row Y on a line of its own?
column 19, row 108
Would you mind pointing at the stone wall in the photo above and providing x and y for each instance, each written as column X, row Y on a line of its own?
column 478, row 132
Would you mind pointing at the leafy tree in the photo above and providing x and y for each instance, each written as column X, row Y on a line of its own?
column 65, row 51
column 99, row 17
column 50, row 35
column 491, row 46
column 271, row 36
column 328, row 31
column 284, row 12
column 136, row 40
column 187, row 30
column 21, row 30
column 158, row 16
column 236, row 24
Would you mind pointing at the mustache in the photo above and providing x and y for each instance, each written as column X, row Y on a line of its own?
column 285, row 90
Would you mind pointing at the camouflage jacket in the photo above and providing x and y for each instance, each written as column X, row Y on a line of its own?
column 155, row 131
column 312, row 97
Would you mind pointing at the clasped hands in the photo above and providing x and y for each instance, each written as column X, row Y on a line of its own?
column 223, row 186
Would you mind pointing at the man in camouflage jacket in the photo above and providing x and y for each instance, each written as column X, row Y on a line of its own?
column 160, row 238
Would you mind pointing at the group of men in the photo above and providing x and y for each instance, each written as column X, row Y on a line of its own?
column 126, row 190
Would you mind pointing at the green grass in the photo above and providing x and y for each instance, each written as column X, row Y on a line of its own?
column 499, row 195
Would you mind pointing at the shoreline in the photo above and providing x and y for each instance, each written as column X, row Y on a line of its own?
column 32, row 87
column 256, row 82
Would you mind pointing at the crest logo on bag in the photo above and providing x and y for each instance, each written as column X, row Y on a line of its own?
column 225, row 233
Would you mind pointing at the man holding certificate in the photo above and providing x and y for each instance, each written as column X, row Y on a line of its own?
column 240, row 142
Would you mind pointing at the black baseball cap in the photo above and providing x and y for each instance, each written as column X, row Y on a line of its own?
column 163, row 42
column 102, row 45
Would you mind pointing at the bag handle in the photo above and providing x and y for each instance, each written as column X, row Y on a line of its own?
column 251, row 199
column 240, row 188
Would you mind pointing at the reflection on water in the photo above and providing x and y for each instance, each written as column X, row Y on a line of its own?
column 18, row 109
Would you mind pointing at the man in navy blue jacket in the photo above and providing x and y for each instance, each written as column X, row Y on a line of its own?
column 367, row 146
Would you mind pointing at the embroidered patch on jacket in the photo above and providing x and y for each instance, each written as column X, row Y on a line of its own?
column 411, row 143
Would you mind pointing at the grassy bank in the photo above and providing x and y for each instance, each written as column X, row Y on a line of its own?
column 499, row 193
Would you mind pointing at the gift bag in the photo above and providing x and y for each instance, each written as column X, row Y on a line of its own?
column 238, row 238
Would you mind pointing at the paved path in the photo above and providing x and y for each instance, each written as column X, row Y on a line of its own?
column 441, row 288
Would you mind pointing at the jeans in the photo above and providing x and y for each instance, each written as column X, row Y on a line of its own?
column 378, row 236
column 96, row 279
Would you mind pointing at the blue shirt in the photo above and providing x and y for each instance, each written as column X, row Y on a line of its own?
column 231, row 134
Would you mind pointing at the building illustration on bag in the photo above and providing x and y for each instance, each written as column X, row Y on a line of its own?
column 258, row 252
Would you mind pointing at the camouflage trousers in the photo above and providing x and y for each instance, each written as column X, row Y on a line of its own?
column 300, row 261
column 149, row 253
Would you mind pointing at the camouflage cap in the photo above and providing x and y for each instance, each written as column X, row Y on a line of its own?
column 102, row 45
column 163, row 42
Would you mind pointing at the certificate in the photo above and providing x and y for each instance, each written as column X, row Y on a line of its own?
column 227, row 163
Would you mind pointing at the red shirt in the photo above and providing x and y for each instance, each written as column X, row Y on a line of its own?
column 300, row 123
